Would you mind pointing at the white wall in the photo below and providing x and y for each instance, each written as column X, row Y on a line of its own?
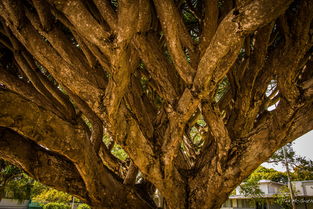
column 13, row 204
column 303, row 188
column 264, row 188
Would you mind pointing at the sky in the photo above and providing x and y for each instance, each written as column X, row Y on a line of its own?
column 303, row 146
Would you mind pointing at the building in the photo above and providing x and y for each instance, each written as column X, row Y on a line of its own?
column 303, row 191
column 303, row 188
column 13, row 204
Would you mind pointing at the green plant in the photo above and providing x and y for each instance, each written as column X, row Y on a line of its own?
column 268, row 174
column 52, row 195
column 55, row 205
column 14, row 183
column 83, row 206
column 282, row 198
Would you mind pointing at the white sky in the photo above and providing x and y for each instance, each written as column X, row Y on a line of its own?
column 303, row 146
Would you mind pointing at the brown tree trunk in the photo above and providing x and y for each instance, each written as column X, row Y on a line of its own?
column 182, row 89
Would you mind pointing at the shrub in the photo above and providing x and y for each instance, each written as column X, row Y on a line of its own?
column 55, row 205
column 52, row 195
column 83, row 206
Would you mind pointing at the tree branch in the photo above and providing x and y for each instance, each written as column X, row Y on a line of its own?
column 41, row 164
column 84, row 22
column 55, row 134
column 63, row 72
column 210, row 24
column 53, row 89
column 220, row 56
column 169, row 18
column 44, row 14
column 27, row 91
column 107, row 13
column 246, row 105
column 59, row 136
column 219, row 132
column 229, row 36
column 296, row 46
column 130, row 137
column 124, row 59
column 157, row 66
column 135, row 103
column 68, row 51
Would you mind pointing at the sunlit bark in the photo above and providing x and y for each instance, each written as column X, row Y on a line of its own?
column 183, row 87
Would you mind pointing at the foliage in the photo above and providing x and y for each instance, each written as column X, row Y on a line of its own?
column 83, row 206
column 52, row 195
column 13, row 182
column 222, row 88
column 251, row 189
column 116, row 150
column 56, row 205
column 278, row 156
column 282, row 198
column 267, row 174
column 17, row 185
column 303, row 170
column 19, row 188
column 38, row 188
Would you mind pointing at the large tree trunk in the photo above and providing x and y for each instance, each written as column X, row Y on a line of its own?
column 121, row 103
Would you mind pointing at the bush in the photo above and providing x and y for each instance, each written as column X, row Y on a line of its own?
column 83, row 206
column 55, row 205
column 52, row 195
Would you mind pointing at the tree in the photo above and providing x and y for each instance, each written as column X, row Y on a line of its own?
column 52, row 195
column 283, row 199
column 56, row 206
column 301, row 167
column 267, row 174
column 83, row 206
column 183, row 87
column 13, row 183
column 287, row 155
column 303, row 171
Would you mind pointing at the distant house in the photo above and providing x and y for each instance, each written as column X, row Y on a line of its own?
column 303, row 188
column 13, row 204
column 303, row 192
column 27, row 204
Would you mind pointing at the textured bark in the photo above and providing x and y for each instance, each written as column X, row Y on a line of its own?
column 183, row 87
column 41, row 164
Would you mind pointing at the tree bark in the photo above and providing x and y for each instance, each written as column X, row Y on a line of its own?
column 181, row 88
